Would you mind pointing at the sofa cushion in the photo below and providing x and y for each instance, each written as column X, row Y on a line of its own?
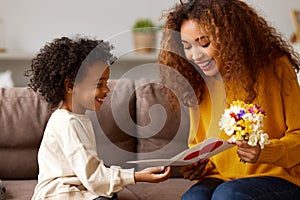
column 23, row 189
column 19, row 189
column 2, row 190
column 119, row 110
column 162, row 132
column 24, row 115
column 171, row 189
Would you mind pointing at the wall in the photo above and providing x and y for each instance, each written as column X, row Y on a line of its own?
column 278, row 13
column 31, row 23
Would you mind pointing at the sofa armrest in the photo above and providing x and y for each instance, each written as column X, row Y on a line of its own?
column 23, row 115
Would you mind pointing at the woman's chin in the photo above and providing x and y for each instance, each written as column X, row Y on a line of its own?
column 212, row 72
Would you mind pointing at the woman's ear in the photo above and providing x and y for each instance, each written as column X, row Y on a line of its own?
column 68, row 84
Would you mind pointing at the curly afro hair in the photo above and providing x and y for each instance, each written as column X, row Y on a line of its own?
column 244, row 40
column 61, row 60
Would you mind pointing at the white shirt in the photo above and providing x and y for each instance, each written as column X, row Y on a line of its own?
column 69, row 167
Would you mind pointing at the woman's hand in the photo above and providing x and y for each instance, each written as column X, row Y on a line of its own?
column 153, row 174
column 246, row 152
column 193, row 171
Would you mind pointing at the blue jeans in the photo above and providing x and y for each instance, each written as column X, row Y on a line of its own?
column 256, row 188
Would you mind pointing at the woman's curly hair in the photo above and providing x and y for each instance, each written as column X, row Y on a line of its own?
column 244, row 40
column 61, row 60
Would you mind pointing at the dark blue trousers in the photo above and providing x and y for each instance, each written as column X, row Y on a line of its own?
column 256, row 188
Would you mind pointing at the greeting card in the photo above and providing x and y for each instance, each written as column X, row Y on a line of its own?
column 201, row 151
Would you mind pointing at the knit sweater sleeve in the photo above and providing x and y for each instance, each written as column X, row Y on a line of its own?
column 285, row 129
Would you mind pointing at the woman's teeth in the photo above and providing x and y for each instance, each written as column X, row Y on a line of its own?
column 203, row 65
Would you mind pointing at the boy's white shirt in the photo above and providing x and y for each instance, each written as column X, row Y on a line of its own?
column 69, row 166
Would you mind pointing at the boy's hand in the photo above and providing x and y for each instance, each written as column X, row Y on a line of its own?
column 246, row 152
column 193, row 171
column 153, row 174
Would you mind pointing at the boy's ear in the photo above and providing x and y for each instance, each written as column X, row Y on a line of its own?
column 68, row 84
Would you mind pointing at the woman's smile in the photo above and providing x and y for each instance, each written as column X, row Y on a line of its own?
column 206, row 65
column 198, row 48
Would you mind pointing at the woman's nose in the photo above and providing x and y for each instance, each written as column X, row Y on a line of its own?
column 198, row 53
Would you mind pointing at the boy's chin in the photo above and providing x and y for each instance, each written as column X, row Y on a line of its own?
column 97, row 108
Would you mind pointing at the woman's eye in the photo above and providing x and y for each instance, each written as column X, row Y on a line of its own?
column 206, row 45
column 187, row 47
column 204, row 41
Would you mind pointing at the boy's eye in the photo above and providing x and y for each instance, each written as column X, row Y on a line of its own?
column 102, row 84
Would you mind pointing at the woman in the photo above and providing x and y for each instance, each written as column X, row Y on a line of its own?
column 228, row 52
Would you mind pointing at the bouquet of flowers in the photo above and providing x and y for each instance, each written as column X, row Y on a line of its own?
column 244, row 122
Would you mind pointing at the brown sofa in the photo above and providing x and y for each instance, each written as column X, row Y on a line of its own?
column 135, row 122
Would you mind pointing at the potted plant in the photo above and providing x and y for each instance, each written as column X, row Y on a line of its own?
column 144, row 35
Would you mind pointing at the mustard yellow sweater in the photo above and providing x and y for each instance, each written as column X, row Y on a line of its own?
column 281, row 101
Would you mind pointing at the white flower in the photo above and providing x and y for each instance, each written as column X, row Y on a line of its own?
column 253, row 140
column 227, row 124
column 256, row 127
column 235, row 108
column 248, row 116
column 264, row 139
column 233, row 139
